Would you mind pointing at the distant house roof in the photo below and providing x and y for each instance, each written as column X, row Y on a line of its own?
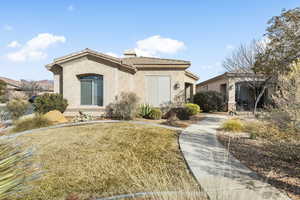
column 11, row 82
column 228, row 74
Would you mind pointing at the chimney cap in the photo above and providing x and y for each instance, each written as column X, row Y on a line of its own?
column 129, row 53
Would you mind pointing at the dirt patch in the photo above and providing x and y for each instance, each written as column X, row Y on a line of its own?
column 277, row 161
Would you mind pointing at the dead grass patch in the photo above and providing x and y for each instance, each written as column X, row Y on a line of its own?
column 105, row 159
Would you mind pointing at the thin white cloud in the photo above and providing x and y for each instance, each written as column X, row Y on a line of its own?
column 14, row 44
column 71, row 8
column 7, row 27
column 230, row 47
column 215, row 68
column 155, row 45
column 112, row 54
column 34, row 49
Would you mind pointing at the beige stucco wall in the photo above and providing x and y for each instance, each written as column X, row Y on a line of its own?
column 212, row 86
column 114, row 80
column 176, row 76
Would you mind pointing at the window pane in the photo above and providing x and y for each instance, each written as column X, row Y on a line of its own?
column 98, row 92
column 86, row 92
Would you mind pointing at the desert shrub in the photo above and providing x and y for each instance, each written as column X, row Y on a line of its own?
column 192, row 108
column 4, row 115
column 17, row 107
column 181, row 113
column 3, row 98
column 232, row 125
column 17, row 95
column 125, row 107
column 47, row 102
column 155, row 114
column 37, row 121
column 210, row 101
column 145, row 110
column 15, row 170
column 270, row 131
column 83, row 117
column 167, row 106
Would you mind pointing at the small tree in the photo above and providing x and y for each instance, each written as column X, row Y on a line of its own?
column 31, row 88
column 283, row 47
column 242, row 60
column 287, row 97
column 47, row 102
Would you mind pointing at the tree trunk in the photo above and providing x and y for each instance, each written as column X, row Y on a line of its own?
column 258, row 99
column 260, row 95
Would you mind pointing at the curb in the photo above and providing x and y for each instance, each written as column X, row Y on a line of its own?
column 12, row 136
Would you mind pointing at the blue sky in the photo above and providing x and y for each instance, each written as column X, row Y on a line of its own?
column 32, row 33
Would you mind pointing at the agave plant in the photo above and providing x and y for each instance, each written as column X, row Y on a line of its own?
column 145, row 110
column 15, row 170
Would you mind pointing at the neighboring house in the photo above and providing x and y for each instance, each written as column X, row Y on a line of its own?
column 237, row 93
column 13, row 86
column 90, row 80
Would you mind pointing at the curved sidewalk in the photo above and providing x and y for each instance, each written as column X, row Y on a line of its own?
column 221, row 175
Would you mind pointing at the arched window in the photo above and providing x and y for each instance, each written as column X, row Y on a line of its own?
column 91, row 90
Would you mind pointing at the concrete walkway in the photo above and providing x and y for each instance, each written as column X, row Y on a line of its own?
column 222, row 176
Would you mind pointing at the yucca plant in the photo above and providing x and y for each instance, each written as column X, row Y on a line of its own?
column 15, row 170
column 145, row 110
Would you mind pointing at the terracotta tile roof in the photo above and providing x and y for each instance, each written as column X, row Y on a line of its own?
column 154, row 61
column 89, row 52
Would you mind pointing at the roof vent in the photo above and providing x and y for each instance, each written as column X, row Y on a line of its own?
column 129, row 53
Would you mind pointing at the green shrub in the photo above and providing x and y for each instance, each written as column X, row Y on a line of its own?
column 210, row 101
column 37, row 121
column 145, row 110
column 17, row 107
column 47, row 102
column 124, row 108
column 155, row 114
column 232, row 125
column 192, row 108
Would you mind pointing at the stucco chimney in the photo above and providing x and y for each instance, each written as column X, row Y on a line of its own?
column 129, row 53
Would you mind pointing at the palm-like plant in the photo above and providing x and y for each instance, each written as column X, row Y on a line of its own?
column 15, row 170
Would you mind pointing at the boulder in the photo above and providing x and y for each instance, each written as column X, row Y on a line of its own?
column 56, row 117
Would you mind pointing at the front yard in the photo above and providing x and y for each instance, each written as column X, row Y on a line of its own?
column 105, row 159
column 274, row 155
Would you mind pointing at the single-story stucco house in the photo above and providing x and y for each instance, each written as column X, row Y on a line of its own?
column 90, row 80
column 238, row 96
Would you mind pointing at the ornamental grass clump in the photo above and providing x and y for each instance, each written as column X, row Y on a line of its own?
column 15, row 170
column 233, row 125
column 38, row 121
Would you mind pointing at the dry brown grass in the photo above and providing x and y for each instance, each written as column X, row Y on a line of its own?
column 274, row 154
column 106, row 159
